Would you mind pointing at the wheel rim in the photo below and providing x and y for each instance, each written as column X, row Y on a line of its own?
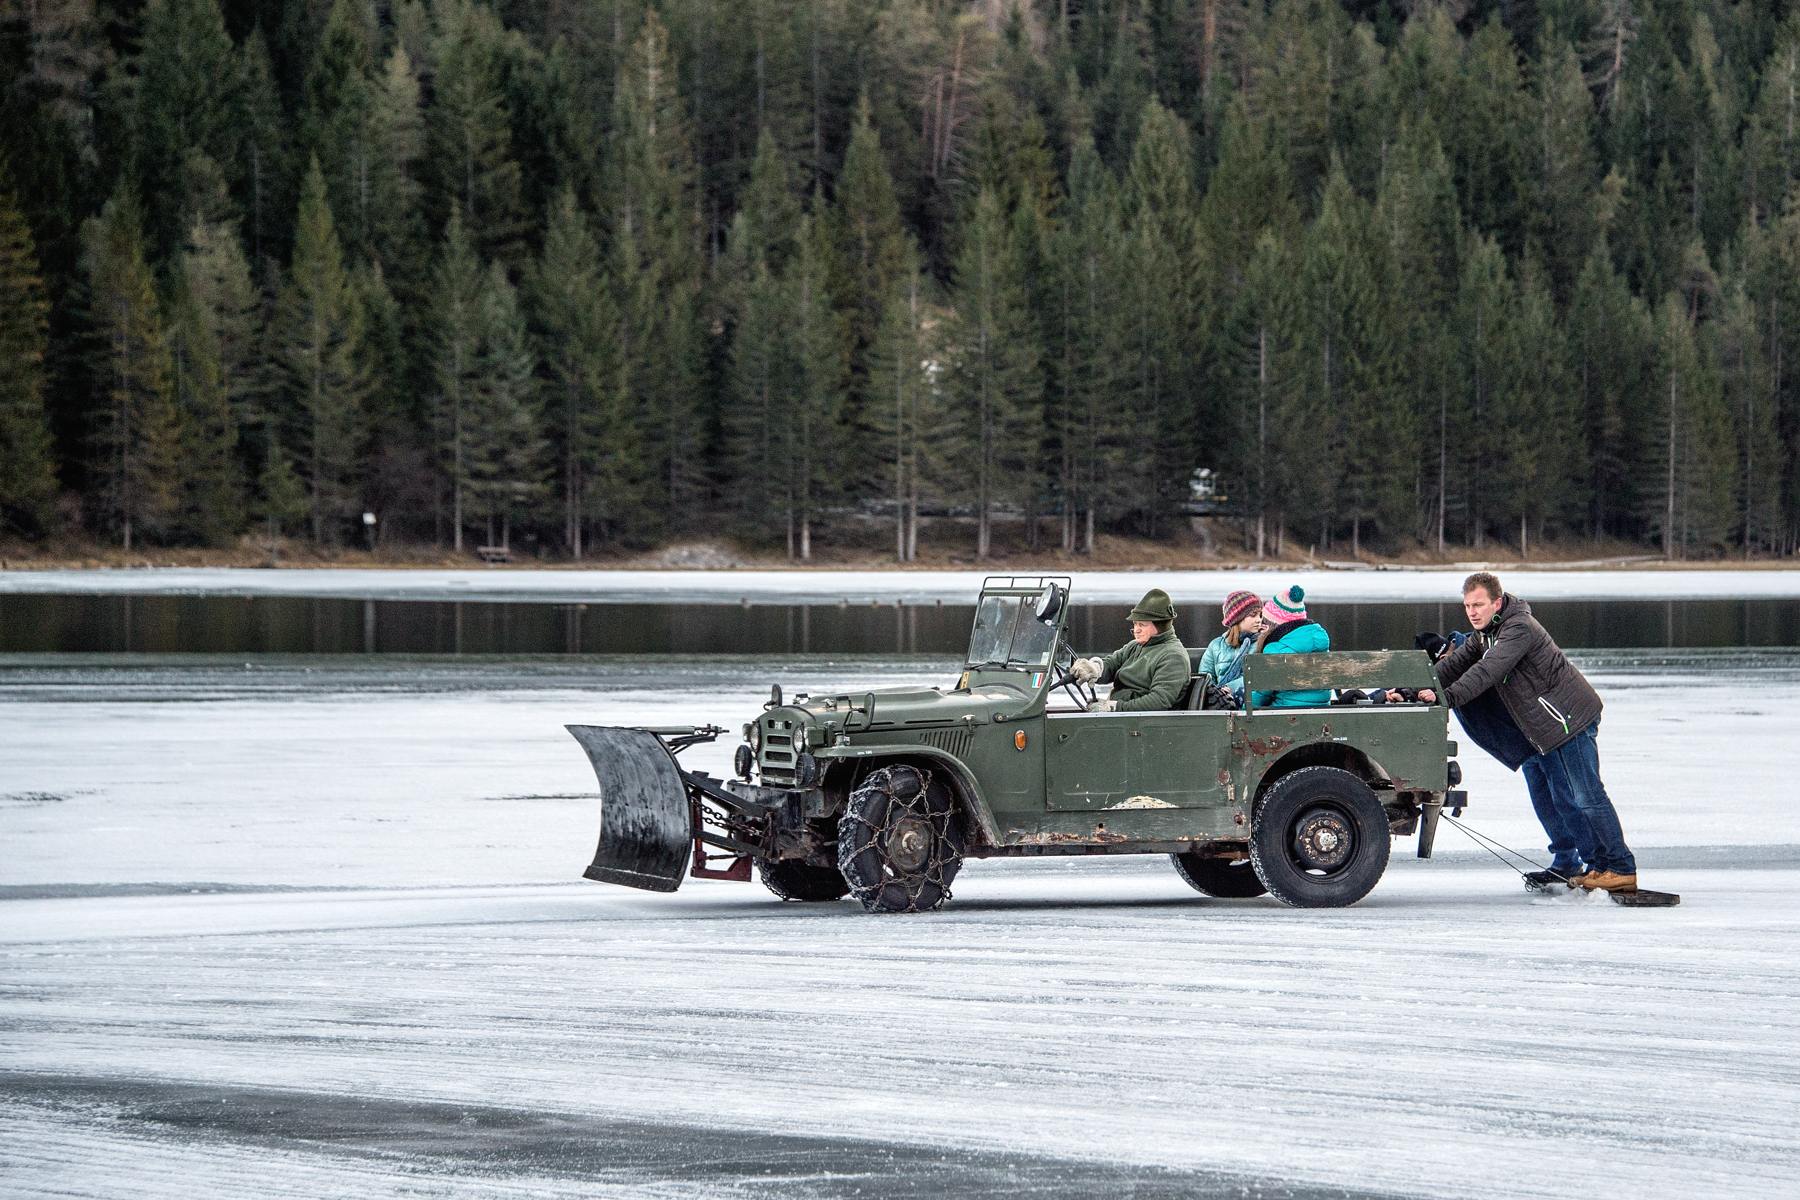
column 909, row 843
column 1322, row 840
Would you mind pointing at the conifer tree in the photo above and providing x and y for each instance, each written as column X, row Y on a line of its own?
column 1352, row 297
column 998, row 367
column 505, row 457
column 1167, row 313
column 810, row 447
column 263, row 186
column 655, row 270
column 1745, row 379
column 1487, row 300
column 470, row 133
column 397, row 134
column 906, row 406
column 579, row 323
column 27, row 455
column 208, row 338
column 1086, row 345
column 135, row 451
column 1562, row 220
column 337, row 126
column 317, row 325
column 1694, row 459
column 1610, row 349
column 458, row 322
column 186, row 100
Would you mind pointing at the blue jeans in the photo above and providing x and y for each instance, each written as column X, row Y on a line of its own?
column 1571, row 838
column 1580, row 760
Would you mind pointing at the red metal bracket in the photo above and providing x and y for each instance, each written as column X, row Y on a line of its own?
column 737, row 872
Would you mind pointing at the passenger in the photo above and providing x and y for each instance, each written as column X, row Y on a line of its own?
column 1223, row 661
column 1148, row 672
column 1288, row 630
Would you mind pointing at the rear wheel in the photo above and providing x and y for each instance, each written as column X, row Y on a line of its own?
column 898, row 843
column 1223, row 878
column 792, row 880
column 1319, row 839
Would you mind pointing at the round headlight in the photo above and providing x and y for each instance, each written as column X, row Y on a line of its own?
column 800, row 739
column 756, row 737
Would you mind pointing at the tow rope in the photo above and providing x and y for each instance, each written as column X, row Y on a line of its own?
column 1493, row 847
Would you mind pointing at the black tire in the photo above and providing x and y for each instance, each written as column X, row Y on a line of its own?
column 899, row 846
column 1319, row 839
column 1221, row 878
column 792, row 880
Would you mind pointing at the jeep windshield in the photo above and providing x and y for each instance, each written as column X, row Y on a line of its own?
column 1008, row 634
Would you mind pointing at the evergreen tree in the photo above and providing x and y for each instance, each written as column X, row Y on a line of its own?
column 505, row 454
column 186, row 101
column 1694, row 459
column 27, row 454
column 316, row 330
column 470, row 132
column 207, row 340
column 906, row 406
column 337, row 127
column 135, row 447
column 655, row 270
column 457, row 361
column 579, row 323
column 1166, row 311
column 997, row 367
column 1562, row 220
column 1085, row 346
column 1352, row 299
column 811, row 449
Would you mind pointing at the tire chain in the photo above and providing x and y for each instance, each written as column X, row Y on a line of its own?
column 938, row 869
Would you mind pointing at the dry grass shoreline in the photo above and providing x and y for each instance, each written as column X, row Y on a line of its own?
column 1185, row 550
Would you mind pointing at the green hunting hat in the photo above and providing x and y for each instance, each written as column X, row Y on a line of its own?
column 1154, row 606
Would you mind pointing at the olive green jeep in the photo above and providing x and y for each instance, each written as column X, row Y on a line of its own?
column 883, row 794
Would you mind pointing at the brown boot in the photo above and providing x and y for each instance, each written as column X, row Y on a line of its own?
column 1608, row 881
column 1575, row 881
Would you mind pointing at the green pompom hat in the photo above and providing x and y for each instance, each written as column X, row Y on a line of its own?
column 1155, row 606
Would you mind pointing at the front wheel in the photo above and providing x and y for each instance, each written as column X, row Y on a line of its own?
column 792, row 880
column 898, row 844
column 1221, row 878
column 1320, row 839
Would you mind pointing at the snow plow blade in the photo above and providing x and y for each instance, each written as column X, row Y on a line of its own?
column 646, row 821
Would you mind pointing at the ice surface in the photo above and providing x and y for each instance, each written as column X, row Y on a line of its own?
column 860, row 587
column 408, row 924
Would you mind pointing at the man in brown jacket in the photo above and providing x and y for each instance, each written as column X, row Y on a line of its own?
column 1551, row 703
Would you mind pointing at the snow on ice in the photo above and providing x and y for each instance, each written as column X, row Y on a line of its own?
column 366, row 890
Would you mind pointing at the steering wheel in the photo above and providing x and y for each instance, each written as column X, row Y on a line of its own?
column 1067, row 681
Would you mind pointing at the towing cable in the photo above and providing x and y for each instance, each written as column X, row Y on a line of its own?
column 1493, row 847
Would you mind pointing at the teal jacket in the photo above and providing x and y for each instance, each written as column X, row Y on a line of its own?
column 1148, row 677
column 1301, row 637
column 1225, row 662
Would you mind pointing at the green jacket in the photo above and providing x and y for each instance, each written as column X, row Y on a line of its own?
column 1149, row 677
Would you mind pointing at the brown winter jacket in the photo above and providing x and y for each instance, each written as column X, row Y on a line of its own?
column 1547, row 698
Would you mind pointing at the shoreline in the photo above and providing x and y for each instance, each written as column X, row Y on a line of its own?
column 825, row 585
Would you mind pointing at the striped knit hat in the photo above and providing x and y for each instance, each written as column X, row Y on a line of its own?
column 1239, row 605
column 1287, row 606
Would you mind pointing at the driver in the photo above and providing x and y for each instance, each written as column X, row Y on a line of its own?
column 1148, row 672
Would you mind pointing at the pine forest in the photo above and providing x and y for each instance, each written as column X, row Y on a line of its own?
column 577, row 277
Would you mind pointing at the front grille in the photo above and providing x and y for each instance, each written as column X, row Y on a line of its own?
column 955, row 742
column 777, row 756
column 779, row 739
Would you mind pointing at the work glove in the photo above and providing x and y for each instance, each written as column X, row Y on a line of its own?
column 1104, row 706
column 1087, row 670
column 1435, row 645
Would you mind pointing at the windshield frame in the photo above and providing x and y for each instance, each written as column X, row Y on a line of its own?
column 1006, row 633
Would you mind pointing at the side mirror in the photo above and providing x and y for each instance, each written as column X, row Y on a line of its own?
column 1050, row 604
column 774, row 697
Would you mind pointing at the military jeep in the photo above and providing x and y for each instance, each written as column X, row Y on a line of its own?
column 882, row 795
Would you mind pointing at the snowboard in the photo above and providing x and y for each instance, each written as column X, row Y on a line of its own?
column 1637, row 899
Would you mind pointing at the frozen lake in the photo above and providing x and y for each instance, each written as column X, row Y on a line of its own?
column 315, row 927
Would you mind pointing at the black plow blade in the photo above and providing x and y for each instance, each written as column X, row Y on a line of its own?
column 646, row 822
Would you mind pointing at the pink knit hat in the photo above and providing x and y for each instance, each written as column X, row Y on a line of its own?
column 1286, row 607
column 1239, row 605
